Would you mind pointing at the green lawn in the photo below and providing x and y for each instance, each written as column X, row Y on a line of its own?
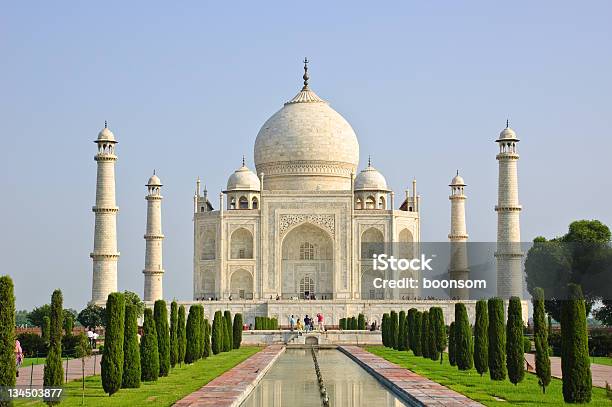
column 36, row 361
column 482, row 389
column 602, row 360
column 164, row 392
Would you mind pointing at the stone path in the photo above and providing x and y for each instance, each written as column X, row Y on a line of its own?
column 600, row 373
column 412, row 388
column 233, row 386
column 74, row 369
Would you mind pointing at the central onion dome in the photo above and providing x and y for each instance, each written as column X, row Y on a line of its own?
column 306, row 145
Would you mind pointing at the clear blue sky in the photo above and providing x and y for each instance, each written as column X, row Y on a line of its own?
column 185, row 87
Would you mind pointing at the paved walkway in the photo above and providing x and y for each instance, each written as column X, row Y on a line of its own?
column 34, row 374
column 233, row 386
column 600, row 373
column 412, row 388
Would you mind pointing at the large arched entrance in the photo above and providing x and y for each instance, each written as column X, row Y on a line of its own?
column 307, row 263
column 241, row 285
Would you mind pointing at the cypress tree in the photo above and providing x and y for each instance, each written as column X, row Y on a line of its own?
column 481, row 338
column 432, row 349
column 181, row 335
column 439, row 332
column 451, row 345
column 160, row 313
column 497, row 339
column 45, row 330
column 342, row 323
column 410, row 326
column 131, row 350
column 217, row 333
column 575, row 363
column 393, row 328
column 200, row 332
column 425, row 334
column 401, row 339
column 7, row 333
column 230, row 336
column 149, row 353
column 385, row 329
column 68, row 324
column 463, row 338
column 354, row 323
column 540, row 333
column 237, row 331
column 515, row 358
column 207, row 332
column 191, row 343
column 173, row 333
column 361, row 323
column 418, row 316
column 112, row 357
column 227, row 333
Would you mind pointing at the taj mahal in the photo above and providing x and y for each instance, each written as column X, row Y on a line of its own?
column 295, row 234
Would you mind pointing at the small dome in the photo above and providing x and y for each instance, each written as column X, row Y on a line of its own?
column 457, row 181
column 243, row 179
column 106, row 135
column 154, row 181
column 370, row 179
column 507, row 134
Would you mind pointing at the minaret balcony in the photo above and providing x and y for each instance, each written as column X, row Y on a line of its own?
column 507, row 156
column 154, row 237
column 103, row 256
column 98, row 209
column 105, row 157
column 508, row 208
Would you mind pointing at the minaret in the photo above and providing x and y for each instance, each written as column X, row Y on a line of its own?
column 153, row 270
column 458, row 237
column 508, row 254
column 105, row 254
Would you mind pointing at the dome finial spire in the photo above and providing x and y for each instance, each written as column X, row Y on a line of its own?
column 153, row 171
column 306, row 77
column 243, row 160
column 369, row 160
column 457, row 172
column 105, row 124
column 507, row 123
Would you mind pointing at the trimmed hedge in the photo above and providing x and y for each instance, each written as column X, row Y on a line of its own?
column 452, row 359
column 181, row 335
column 497, row 339
column 361, row 323
column 401, row 338
column 207, row 332
column 540, row 335
column 418, row 323
column 481, row 338
column 112, row 358
column 237, row 331
column 463, row 338
column 149, row 354
column 160, row 313
column 515, row 357
column 425, row 334
column 7, row 332
column 227, row 316
column 217, row 333
column 411, row 329
column 131, row 350
column 173, row 333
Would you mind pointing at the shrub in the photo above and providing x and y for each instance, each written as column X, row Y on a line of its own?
column 160, row 314
column 361, row 323
column 207, row 332
column 439, row 332
column 401, row 339
column 385, row 329
column 418, row 316
column 526, row 344
column 497, row 339
column 149, row 354
column 540, row 335
column 173, row 333
column 515, row 358
column 68, row 323
column 354, row 323
column 217, row 333
column 425, row 334
column 394, row 328
column 131, row 350
column 199, row 331
column 452, row 359
column 7, row 332
column 69, row 343
column 191, row 344
column 481, row 338
column 342, row 323
column 32, row 345
column 227, row 315
column 181, row 335
column 237, row 331
column 575, row 362
column 432, row 350
column 463, row 338
column 53, row 375
column 411, row 327
column 112, row 358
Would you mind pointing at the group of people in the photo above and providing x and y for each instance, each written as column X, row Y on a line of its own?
column 308, row 324
column 92, row 336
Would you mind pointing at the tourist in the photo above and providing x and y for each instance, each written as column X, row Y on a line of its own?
column 90, row 335
column 18, row 355
column 320, row 322
column 292, row 322
column 307, row 323
column 299, row 327
column 230, row 297
column 95, row 339
column 277, row 297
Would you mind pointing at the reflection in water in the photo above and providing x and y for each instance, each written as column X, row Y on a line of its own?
column 292, row 382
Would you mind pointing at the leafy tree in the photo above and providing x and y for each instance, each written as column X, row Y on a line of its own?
column 149, row 354
column 416, row 349
column 45, row 329
column 160, row 313
column 181, row 335
column 425, row 334
column 361, row 323
column 401, row 340
column 411, row 328
column 393, row 329
column 133, row 299
column 53, row 375
column 228, row 321
column 191, row 344
column 432, row 350
column 91, row 317
column 207, row 332
column 131, row 350
column 481, row 338
column 604, row 313
column 21, row 318
column 37, row 315
column 515, row 358
column 575, row 363
column 497, row 339
column 540, row 334
column 7, row 333
column 452, row 359
column 173, row 333
column 113, row 355
column 385, row 329
column 463, row 338
column 217, row 333
column 237, row 331
column 439, row 331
